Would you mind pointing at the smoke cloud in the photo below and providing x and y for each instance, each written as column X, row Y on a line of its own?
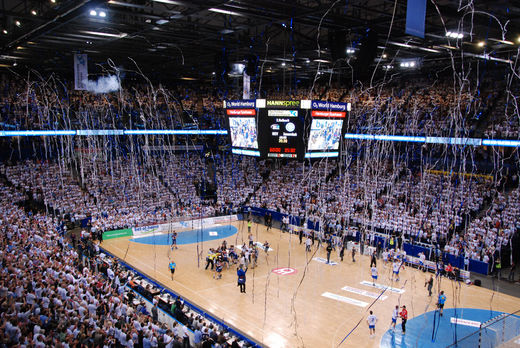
column 104, row 84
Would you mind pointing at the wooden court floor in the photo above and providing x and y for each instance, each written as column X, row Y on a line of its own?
column 289, row 310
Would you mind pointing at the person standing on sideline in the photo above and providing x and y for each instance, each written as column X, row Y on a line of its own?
column 373, row 261
column 251, row 242
column 511, row 276
column 172, row 266
column 329, row 250
column 371, row 320
column 353, row 253
column 498, row 268
column 308, row 243
column 155, row 313
column 374, row 275
column 342, row 251
column 300, row 234
column 249, row 225
column 396, row 267
column 242, row 279
column 395, row 315
column 404, row 318
column 422, row 259
column 430, row 285
column 441, row 301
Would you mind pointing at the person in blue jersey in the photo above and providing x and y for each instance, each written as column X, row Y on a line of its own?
column 172, row 267
column 441, row 301
column 218, row 269
column 174, row 240
column 241, row 273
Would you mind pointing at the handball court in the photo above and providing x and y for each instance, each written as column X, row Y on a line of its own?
column 317, row 305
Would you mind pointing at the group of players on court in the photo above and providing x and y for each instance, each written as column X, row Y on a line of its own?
column 397, row 265
column 246, row 256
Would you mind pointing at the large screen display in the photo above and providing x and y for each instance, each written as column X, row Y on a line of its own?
column 243, row 132
column 325, row 135
column 281, row 129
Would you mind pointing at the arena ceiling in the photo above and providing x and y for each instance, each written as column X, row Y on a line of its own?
column 188, row 38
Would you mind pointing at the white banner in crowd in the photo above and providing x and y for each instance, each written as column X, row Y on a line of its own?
column 246, row 94
column 181, row 225
column 80, row 71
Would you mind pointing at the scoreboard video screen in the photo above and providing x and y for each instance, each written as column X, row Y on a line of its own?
column 241, row 117
column 325, row 135
column 280, row 125
column 243, row 132
column 326, row 129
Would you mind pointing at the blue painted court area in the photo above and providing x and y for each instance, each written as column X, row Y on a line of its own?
column 189, row 237
column 421, row 329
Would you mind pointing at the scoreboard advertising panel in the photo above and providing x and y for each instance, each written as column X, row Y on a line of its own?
column 285, row 128
column 280, row 126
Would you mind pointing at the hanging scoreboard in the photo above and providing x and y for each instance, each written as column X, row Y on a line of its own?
column 280, row 125
column 286, row 128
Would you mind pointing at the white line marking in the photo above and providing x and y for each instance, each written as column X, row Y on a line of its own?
column 344, row 299
column 465, row 322
column 364, row 292
column 322, row 260
column 382, row 287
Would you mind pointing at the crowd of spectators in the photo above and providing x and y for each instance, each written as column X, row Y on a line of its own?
column 52, row 295
column 419, row 106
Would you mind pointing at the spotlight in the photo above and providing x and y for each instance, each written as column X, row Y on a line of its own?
column 412, row 64
column 518, row 40
column 102, row 14
column 15, row 64
column 481, row 44
column 384, row 56
column 93, row 13
column 350, row 51
column 18, row 23
column 4, row 31
column 283, row 64
column 53, row 1
column 34, row 12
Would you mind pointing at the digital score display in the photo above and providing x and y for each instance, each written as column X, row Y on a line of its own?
column 280, row 126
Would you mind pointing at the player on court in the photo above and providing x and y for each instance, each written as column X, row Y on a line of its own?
column 374, row 275
column 441, row 301
column 218, row 269
column 371, row 320
column 172, row 266
column 266, row 247
column 396, row 267
column 174, row 240
column 395, row 315
column 404, row 319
